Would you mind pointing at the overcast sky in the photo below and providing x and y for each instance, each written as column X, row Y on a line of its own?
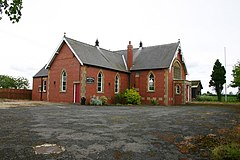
column 204, row 27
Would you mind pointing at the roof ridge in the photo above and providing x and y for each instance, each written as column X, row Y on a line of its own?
column 121, row 49
column 90, row 45
column 105, row 54
column 148, row 46
column 161, row 45
column 80, row 42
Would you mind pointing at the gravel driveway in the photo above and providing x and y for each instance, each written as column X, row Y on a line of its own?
column 111, row 132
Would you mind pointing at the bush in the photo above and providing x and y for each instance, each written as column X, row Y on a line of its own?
column 95, row 101
column 119, row 98
column 104, row 100
column 229, row 151
column 154, row 102
column 132, row 96
column 206, row 98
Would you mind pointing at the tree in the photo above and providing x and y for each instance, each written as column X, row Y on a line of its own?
column 7, row 82
column 236, row 77
column 218, row 78
column 21, row 83
column 12, row 8
column 14, row 83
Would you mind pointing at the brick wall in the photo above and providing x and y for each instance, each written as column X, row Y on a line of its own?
column 108, row 83
column 139, row 80
column 15, row 93
column 37, row 94
column 178, row 98
column 64, row 61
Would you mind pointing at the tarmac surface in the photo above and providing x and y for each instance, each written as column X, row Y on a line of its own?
column 63, row 131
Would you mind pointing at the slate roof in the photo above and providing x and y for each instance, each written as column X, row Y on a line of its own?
column 196, row 83
column 154, row 57
column 92, row 55
column 42, row 73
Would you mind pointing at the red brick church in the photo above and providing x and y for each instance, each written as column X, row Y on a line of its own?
column 79, row 70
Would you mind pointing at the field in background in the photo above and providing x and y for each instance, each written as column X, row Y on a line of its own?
column 213, row 98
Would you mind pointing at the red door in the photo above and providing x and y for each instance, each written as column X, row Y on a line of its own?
column 76, row 92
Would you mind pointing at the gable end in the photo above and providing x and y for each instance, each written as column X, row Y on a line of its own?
column 57, row 52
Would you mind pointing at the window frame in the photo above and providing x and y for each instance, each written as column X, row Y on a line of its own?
column 177, row 65
column 151, row 87
column 44, row 89
column 178, row 89
column 100, row 85
column 117, row 84
column 39, row 88
column 63, row 81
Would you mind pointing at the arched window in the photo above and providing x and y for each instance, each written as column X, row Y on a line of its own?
column 151, row 84
column 100, row 82
column 178, row 89
column 177, row 71
column 64, row 81
column 116, row 84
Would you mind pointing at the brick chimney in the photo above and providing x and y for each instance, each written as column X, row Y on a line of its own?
column 129, row 55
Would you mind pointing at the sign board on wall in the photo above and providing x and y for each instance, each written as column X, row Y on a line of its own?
column 90, row 80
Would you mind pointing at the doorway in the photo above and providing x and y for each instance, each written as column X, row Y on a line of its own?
column 76, row 93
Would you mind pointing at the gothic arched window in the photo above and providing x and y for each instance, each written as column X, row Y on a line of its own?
column 177, row 71
column 64, row 81
column 151, row 83
column 100, row 82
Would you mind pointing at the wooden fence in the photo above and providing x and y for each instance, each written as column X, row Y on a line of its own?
column 15, row 93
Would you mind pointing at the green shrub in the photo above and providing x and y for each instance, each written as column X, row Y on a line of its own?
column 104, row 100
column 232, row 98
column 228, row 151
column 154, row 102
column 206, row 98
column 119, row 98
column 132, row 96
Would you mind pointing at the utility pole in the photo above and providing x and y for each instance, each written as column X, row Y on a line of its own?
column 225, row 58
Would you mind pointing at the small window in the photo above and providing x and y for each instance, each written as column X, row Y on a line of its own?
column 64, row 81
column 100, row 82
column 44, row 85
column 178, row 89
column 116, row 84
column 39, row 88
column 151, row 86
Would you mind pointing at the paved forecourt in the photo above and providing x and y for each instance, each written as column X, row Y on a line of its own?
column 62, row 131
